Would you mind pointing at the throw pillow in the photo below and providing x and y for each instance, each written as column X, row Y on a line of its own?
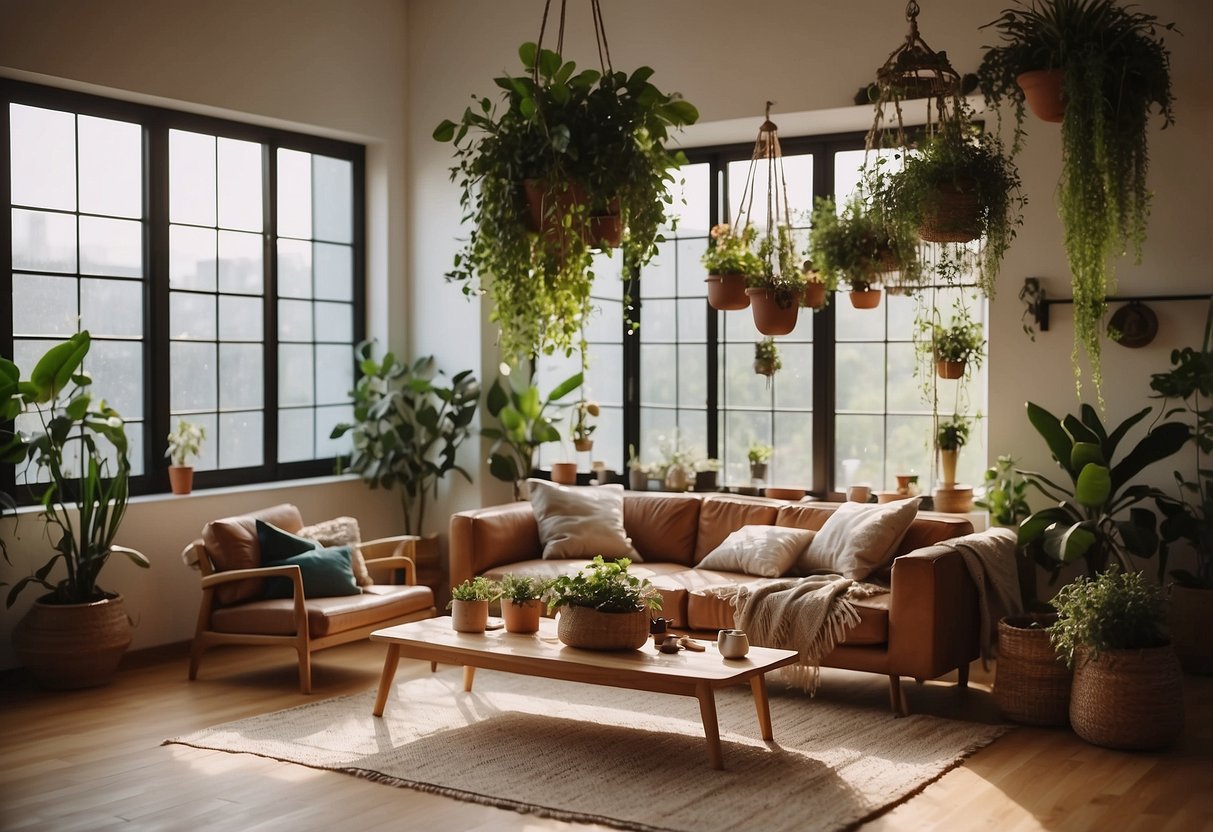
column 580, row 522
column 859, row 538
column 342, row 531
column 326, row 572
column 763, row 551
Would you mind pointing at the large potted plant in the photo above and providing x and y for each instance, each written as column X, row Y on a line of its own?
column 1188, row 516
column 587, row 146
column 75, row 635
column 1111, row 69
column 857, row 248
column 184, row 445
column 602, row 607
column 523, row 425
column 408, row 427
column 1128, row 688
column 730, row 259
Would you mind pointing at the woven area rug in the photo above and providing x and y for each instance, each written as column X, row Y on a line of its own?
column 623, row 758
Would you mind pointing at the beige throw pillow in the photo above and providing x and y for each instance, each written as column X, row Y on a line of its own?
column 580, row 522
column 859, row 538
column 764, row 551
column 341, row 531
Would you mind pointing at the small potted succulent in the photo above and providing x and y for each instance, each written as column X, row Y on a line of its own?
column 184, row 445
column 759, row 456
column 522, row 602
column 730, row 260
column 602, row 607
column 817, row 287
column 469, row 604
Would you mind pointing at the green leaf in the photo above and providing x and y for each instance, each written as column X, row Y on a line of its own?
column 1155, row 446
column 1034, row 525
column 528, row 404
column 1049, row 427
column 496, row 399
column 549, row 63
column 526, row 53
column 445, row 131
column 503, row 468
column 1094, row 485
column 685, row 112
column 1075, row 543
column 1084, row 454
column 1122, row 429
column 56, row 367
column 565, row 387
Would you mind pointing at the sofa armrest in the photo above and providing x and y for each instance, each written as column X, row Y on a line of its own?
column 391, row 564
column 486, row 537
column 933, row 614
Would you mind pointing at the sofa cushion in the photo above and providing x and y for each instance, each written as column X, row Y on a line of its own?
column 662, row 526
column 764, row 551
column 231, row 543
column 342, row 531
column 721, row 516
column 326, row 571
column 380, row 604
column 580, row 522
column 811, row 516
column 859, row 538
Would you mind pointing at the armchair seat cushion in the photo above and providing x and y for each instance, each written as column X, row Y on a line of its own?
column 325, row 616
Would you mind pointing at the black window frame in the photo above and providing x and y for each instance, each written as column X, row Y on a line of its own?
column 156, row 122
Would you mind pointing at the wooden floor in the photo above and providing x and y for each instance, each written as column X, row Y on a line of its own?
column 92, row 760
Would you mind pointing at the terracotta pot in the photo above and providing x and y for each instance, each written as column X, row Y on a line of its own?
column 775, row 311
column 564, row 473
column 583, row 445
column 950, row 369
column 814, row 295
column 764, row 367
column 1042, row 89
column 181, row 478
column 865, row 298
column 727, row 291
column 950, row 216
column 594, row 630
column 521, row 618
column 1031, row 684
column 606, row 230
column 1130, row 699
column 469, row 616
column 73, row 645
column 1190, row 616
column 548, row 204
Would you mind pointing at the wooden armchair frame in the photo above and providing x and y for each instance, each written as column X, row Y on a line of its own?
column 399, row 555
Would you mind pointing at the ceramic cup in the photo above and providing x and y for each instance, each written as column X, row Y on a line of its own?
column 859, row 493
column 732, row 644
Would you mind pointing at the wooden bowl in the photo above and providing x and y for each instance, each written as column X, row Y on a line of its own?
column 784, row 493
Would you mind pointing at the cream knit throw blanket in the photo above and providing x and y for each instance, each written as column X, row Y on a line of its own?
column 990, row 558
column 809, row 615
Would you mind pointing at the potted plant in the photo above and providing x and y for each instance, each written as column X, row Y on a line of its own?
column 856, row 246
column 817, row 287
column 469, row 604
column 589, row 148
column 74, row 635
column 524, row 425
column 776, row 290
column 759, row 455
column 1128, row 688
column 766, row 358
column 638, row 472
column 522, row 602
column 957, row 346
column 184, row 444
column 602, row 607
column 1031, row 683
column 730, row 260
column 950, row 437
column 408, row 427
column 1110, row 66
column 583, row 431
column 707, row 471
column 1188, row 517
column 1086, row 518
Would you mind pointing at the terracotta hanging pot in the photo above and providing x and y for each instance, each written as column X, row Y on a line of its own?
column 814, row 295
column 549, row 203
column 775, row 310
column 950, row 216
column 583, row 445
column 1042, row 89
column 727, row 291
column 950, row 369
column 865, row 298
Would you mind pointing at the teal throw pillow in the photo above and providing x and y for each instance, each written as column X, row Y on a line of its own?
column 326, row 572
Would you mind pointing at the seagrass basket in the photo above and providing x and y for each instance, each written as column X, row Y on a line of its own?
column 950, row 217
column 594, row 630
column 1128, row 699
column 1031, row 685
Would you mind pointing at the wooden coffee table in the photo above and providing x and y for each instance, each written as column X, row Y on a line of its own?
column 685, row 673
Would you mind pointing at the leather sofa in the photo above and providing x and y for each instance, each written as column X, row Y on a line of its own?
column 924, row 626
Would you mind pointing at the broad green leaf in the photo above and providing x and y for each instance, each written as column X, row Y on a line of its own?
column 496, row 399
column 526, row 53
column 1084, row 454
column 1094, row 485
column 56, row 367
column 445, row 131
column 1034, row 525
column 1155, row 446
column 686, row 112
column 1075, row 543
column 565, row 387
column 503, row 468
column 1049, row 427
column 549, row 63
column 1122, row 429
column 528, row 404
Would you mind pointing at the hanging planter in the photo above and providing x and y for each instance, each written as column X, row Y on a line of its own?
column 775, row 310
column 729, row 259
column 864, row 297
column 1042, row 90
column 855, row 246
column 766, row 358
column 815, row 295
column 727, row 291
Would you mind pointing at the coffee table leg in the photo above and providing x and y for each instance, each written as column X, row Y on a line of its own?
column 385, row 680
column 759, row 685
column 469, row 673
column 711, row 729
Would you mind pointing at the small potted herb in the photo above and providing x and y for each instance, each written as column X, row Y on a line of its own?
column 602, row 607
column 950, row 437
column 583, row 430
column 759, row 455
column 522, row 602
column 957, row 346
column 730, row 259
column 638, row 472
column 469, row 604
column 184, row 445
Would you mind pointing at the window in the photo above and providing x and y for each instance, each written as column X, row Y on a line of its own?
column 218, row 266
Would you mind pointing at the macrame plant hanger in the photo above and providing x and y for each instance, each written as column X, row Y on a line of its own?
column 600, row 38
column 767, row 153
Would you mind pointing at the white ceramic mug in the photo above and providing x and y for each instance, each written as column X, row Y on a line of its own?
column 859, row 493
column 732, row 644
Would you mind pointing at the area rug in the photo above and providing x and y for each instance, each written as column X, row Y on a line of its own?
column 623, row 758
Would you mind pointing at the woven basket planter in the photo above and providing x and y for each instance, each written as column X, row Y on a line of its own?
column 1128, row 699
column 950, row 217
column 73, row 645
column 594, row 630
column 1031, row 685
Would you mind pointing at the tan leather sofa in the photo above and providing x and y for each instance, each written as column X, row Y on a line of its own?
column 924, row 626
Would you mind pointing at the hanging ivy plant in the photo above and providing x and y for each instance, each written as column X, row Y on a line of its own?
column 592, row 145
column 859, row 244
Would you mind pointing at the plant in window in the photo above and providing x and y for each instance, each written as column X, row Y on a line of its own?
column 955, row 347
column 408, row 428
column 523, row 425
column 817, row 286
column 583, row 430
column 857, row 246
column 1111, row 69
column 730, row 260
column 950, row 436
column 766, row 358
column 588, row 149
column 184, row 444
column 1004, row 493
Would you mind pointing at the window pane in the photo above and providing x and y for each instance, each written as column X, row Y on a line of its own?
column 326, row 419
column 793, row 384
column 904, row 386
column 295, row 375
column 296, row 435
column 742, row 429
column 191, row 178
column 859, row 450
column 294, row 269
column 294, row 320
column 860, row 377
column 240, row 319
column 742, row 386
column 192, row 316
column 111, row 167
column 241, row 266
column 334, row 374
column 858, row 324
column 792, row 462
column 334, row 272
column 655, row 424
column 658, row 322
column 241, row 438
column 43, row 155
column 240, row 185
column 692, row 198
column 658, row 374
column 241, row 380
column 111, row 247
column 192, row 367
column 208, row 459
column 191, row 258
column 334, row 205
column 335, row 322
column 659, row 278
column 112, row 307
column 693, row 320
column 117, row 370
column 43, row 306
column 294, row 194
column 692, row 375
column 691, row 274
column 44, row 242
column 908, row 450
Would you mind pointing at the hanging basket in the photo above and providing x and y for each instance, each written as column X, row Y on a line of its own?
column 1130, row 699
column 950, row 369
column 814, row 295
column 595, row 630
column 727, row 291
column 865, row 298
column 775, row 310
column 1042, row 90
column 548, row 203
column 950, row 216
column 1031, row 685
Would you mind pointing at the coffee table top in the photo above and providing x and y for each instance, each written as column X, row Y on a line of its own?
column 433, row 639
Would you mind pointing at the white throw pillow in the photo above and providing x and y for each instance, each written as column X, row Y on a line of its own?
column 859, row 538
column 764, row 551
column 580, row 521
